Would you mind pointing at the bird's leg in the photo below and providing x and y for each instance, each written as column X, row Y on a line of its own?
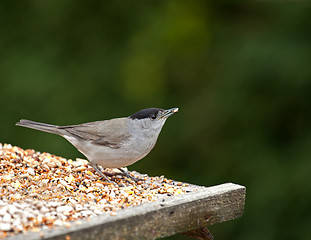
column 95, row 166
column 125, row 173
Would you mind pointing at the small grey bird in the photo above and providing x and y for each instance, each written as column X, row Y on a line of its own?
column 114, row 143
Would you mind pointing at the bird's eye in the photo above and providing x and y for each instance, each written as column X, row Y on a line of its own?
column 154, row 116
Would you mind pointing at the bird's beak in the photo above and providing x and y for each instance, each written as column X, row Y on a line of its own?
column 169, row 112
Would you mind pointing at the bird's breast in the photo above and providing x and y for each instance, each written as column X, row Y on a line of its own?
column 129, row 152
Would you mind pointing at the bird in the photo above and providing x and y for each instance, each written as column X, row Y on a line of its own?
column 114, row 143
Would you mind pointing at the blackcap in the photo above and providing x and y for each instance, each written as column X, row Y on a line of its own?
column 114, row 143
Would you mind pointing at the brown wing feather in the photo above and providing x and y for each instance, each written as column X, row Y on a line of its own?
column 108, row 133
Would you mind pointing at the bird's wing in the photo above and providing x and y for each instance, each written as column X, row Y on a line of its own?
column 111, row 133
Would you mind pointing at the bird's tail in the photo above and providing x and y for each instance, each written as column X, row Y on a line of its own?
column 40, row 126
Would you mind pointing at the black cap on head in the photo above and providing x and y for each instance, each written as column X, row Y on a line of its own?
column 146, row 113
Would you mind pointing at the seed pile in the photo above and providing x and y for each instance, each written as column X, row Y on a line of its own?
column 41, row 190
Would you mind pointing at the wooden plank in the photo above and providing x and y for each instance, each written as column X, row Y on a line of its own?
column 166, row 217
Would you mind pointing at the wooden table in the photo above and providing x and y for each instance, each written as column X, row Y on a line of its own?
column 188, row 213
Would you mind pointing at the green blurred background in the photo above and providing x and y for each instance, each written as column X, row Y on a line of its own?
column 239, row 71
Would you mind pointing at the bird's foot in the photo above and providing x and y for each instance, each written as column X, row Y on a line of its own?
column 103, row 175
column 127, row 174
column 110, row 174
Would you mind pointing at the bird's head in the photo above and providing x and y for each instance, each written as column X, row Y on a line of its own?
column 152, row 119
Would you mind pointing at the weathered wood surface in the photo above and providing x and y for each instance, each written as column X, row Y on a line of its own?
column 171, row 215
